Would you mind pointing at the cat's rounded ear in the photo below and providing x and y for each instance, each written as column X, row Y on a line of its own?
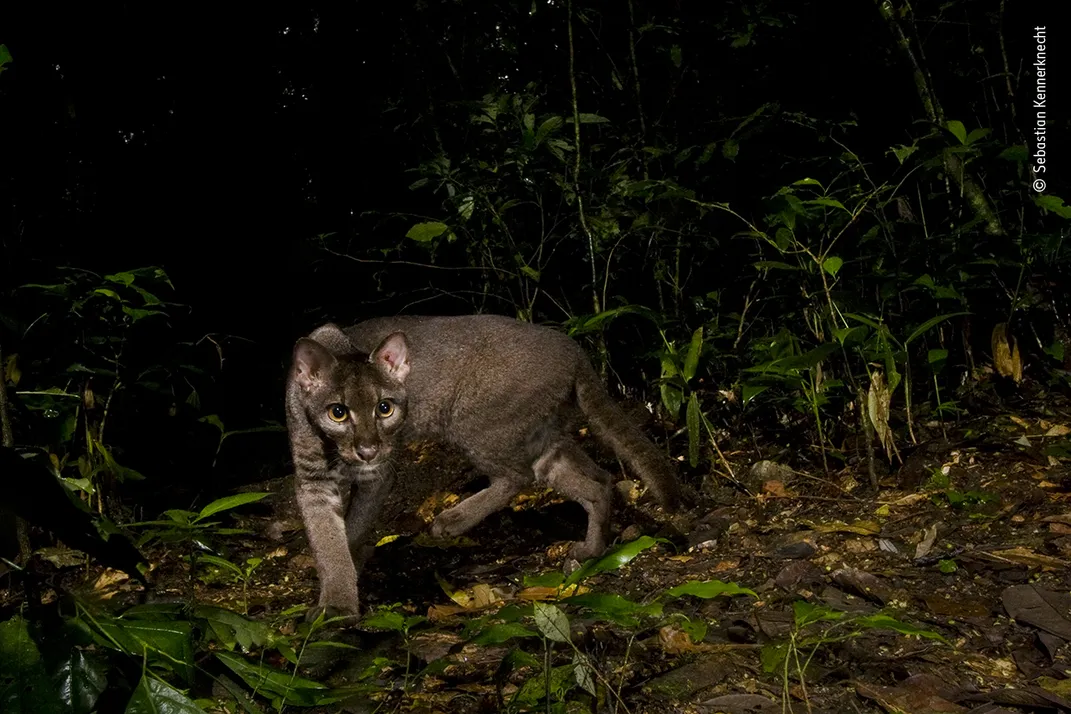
column 392, row 357
column 333, row 338
column 311, row 363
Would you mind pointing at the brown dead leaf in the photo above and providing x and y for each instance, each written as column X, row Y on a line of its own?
column 1058, row 430
column 1025, row 556
column 477, row 597
column 279, row 552
column 910, row 499
column 1060, row 528
column 546, row 593
column 775, row 488
column 1020, row 421
column 860, row 527
column 877, row 402
column 674, row 641
column 105, row 585
column 917, row 694
column 438, row 613
column 1064, row 518
column 435, row 504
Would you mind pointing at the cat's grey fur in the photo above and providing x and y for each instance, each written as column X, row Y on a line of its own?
column 499, row 389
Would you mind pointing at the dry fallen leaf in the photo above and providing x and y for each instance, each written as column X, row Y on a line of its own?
column 1025, row 556
column 1006, row 353
column 775, row 489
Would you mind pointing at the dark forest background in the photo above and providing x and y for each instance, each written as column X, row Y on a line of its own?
column 795, row 230
column 755, row 181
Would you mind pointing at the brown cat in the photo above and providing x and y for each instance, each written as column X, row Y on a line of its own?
column 500, row 390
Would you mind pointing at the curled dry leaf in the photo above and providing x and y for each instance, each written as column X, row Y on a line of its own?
column 1006, row 358
column 877, row 406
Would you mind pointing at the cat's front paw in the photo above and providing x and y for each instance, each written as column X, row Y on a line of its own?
column 449, row 524
column 350, row 611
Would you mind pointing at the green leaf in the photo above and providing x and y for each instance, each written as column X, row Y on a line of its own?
column 551, row 622
column 885, row 622
column 615, row 608
column 693, row 430
column 977, row 134
column 958, row 130
column 221, row 563
column 591, row 119
column 229, row 502
column 903, row 152
column 614, row 559
column 502, row 632
column 672, row 398
column 1014, row 153
column 154, row 696
column 675, row 55
column 830, row 202
column 167, row 643
column 772, row 657
column 547, row 127
column 425, row 232
column 936, row 356
column 230, row 629
column 584, row 672
column 79, row 681
column 550, row 579
column 805, row 613
column 691, row 360
column 126, row 278
column 286, row 686
column 708, row 589
column 774, row 265
column 832, row 265
column 929, row 325
column 1052, row 203
column 750, row 391
column 24, row 685
column 848, row 336
column 5, row 55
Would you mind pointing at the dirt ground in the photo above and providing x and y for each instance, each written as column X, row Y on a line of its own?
column 966, row 547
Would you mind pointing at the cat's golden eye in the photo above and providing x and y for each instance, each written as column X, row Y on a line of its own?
column 385, row 408
column 338, row 412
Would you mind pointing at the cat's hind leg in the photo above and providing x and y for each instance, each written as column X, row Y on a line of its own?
column 566, row 468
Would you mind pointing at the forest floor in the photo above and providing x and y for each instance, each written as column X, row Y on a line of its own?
column 944, row 590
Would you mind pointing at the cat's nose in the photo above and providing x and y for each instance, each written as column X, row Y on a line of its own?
column 367, row 453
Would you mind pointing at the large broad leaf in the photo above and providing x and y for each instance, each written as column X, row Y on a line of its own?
column 154, row 696
column 425, row 232
column 551, row 621
column 79, row 681
column 277, row 683
column 614, row 559
column 929, row 325
column 615, row 608
column 230, row 629
column 24, row 685
column 225, row 504
column 502, row 632
column 169, row 644
column 708, row 589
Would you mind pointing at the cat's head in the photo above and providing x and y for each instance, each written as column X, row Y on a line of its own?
column 357, row 401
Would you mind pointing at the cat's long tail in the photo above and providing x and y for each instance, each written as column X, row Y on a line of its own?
column 613, row 427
